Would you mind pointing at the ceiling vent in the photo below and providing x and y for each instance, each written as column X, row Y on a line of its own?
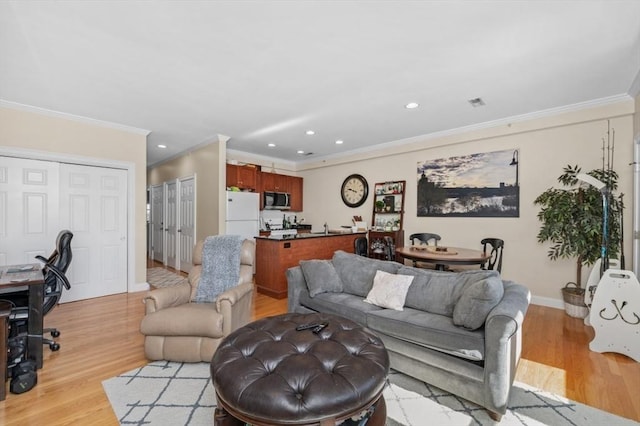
column 476, row 102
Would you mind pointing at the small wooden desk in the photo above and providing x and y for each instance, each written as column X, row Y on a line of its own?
column 463, row 256
column 33, row 280
column 5, row 310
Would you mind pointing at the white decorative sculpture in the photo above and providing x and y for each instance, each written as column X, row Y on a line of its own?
column 615, row 314
column 592, row 283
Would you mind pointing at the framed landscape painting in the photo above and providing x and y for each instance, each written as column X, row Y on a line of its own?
column 475, row 185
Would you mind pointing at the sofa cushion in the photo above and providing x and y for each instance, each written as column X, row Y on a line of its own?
column 321, row 276
column 477, row 300
column 438, row 292
column 389, row 290
column 357, row 272
column 343, row 304
column 430, row 330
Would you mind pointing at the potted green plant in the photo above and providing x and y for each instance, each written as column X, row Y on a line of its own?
column 572, row 221
column 379, row 205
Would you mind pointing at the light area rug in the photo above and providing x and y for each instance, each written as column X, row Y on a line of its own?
column 170, row 393
column 160, row 277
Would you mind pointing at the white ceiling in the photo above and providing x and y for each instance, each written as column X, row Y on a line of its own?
column 266, row 71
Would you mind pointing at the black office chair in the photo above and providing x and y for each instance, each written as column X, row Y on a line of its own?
column 390, row 248
column 495, row 261
column 54, row 270
column 361, row 246
column 425, row 238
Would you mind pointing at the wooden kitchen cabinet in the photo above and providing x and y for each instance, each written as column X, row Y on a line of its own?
column 295, row 189
column 274, row 256
column 274, row 182
column 244, row 177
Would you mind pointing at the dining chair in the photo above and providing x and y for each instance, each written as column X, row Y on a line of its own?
column 495, row 261
column 424, row 238
column 361, row 246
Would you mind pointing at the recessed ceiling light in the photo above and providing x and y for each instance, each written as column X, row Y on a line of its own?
column 271, row 145
column 310, row 132
column 476, row 102
column 339, row 142
column 300, row 152
column 412, row 105
column 162, row 146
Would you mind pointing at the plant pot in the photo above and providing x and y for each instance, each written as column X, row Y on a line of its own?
column 574, row 301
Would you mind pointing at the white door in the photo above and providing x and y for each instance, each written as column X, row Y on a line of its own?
column 157, row 223
column 28, row 209
column 187, row 222
column 93, row 205
column 171, row 225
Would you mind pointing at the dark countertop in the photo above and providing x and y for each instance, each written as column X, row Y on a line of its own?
column 301, row 226
column 307, row 235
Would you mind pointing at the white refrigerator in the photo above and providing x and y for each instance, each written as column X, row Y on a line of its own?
column 243, row 214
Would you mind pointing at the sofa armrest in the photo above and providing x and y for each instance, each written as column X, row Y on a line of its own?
column 295, row 285
column 235, row 305
column 503, row 343
column 167, row 297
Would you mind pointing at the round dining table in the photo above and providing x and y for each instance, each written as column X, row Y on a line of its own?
column 445, row 256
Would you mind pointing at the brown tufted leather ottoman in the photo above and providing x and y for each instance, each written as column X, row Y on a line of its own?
column 268, row 373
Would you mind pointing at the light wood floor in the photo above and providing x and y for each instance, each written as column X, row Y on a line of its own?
column 100, row 339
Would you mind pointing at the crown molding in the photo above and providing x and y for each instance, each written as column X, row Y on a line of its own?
column 634, row 90
column 77, row 118
column 219, row 138
column 383, row 148
column 262, row 160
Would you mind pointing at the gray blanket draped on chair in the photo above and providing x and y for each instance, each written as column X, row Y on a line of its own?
column 220, row 266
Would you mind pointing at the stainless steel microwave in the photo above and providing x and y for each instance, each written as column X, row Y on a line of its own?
column 276, row 201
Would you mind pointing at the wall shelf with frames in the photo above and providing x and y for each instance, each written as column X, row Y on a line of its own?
column 387, row 217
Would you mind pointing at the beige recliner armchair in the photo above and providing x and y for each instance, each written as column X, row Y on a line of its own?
column 177, row 329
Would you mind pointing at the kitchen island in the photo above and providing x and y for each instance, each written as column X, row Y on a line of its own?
column 276, row 254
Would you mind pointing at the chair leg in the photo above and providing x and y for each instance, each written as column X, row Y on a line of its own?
column 53, row 331
column 53, row 345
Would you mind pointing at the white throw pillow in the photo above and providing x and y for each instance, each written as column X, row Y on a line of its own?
column 389, row 290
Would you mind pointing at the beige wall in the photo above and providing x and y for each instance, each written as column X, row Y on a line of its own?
column 636, row 121
column 546, row 145
column 204, row 163
column 48, row 134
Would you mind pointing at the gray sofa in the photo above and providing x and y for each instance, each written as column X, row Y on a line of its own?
column 461, row 332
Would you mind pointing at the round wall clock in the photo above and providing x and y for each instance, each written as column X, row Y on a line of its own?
column 355, row 190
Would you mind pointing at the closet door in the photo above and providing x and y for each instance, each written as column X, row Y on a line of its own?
column 28, row 209
column 157, row 223
column 93, row 205
column 171, row 225
column 187, row 225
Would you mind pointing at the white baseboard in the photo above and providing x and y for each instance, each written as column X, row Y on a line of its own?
column 139, row 287
column 548, row 302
